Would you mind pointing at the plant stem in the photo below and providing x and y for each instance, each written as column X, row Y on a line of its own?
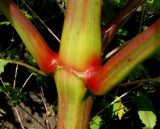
column 19, row 118
column 26, row 66
column 74, row 101
column 80, row 51
column 32, row 39
column 118, row 20
column 80, row 47
column 121, row 64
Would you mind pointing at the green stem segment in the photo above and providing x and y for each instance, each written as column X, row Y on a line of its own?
column 74, row 101
column 80, row 51
column 44, row 56
column 119, row 66
column 81, row 37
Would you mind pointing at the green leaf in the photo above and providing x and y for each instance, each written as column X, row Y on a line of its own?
column 145, row 110
column 122, row 32
column 3, row 63
column 119, row 109
column 14, row 93
column 120, row 3
column 2, row 89
column 96, row 123
column 150, row 1
column 153, row 6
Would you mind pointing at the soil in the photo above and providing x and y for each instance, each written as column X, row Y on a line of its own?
column 32, row 117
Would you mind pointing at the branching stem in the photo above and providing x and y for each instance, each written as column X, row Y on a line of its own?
column 27, row 66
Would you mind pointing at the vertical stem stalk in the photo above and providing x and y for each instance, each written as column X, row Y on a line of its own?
column 80, row 46
column 80, row 50
column 74, row 101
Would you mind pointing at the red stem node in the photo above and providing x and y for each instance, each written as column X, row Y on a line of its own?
column 120, row 65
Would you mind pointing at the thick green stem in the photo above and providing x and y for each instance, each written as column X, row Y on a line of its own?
column 80, row 51
column 81, row 38
column 74, row 101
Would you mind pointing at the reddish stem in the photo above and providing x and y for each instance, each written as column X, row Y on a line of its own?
column 119, row 66
column 45, row 57
column 118, row 20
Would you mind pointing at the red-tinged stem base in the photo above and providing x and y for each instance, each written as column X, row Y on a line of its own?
column 74, row 101
column 78, row 117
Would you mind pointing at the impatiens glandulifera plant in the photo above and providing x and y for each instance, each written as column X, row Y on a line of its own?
column 77, row 68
